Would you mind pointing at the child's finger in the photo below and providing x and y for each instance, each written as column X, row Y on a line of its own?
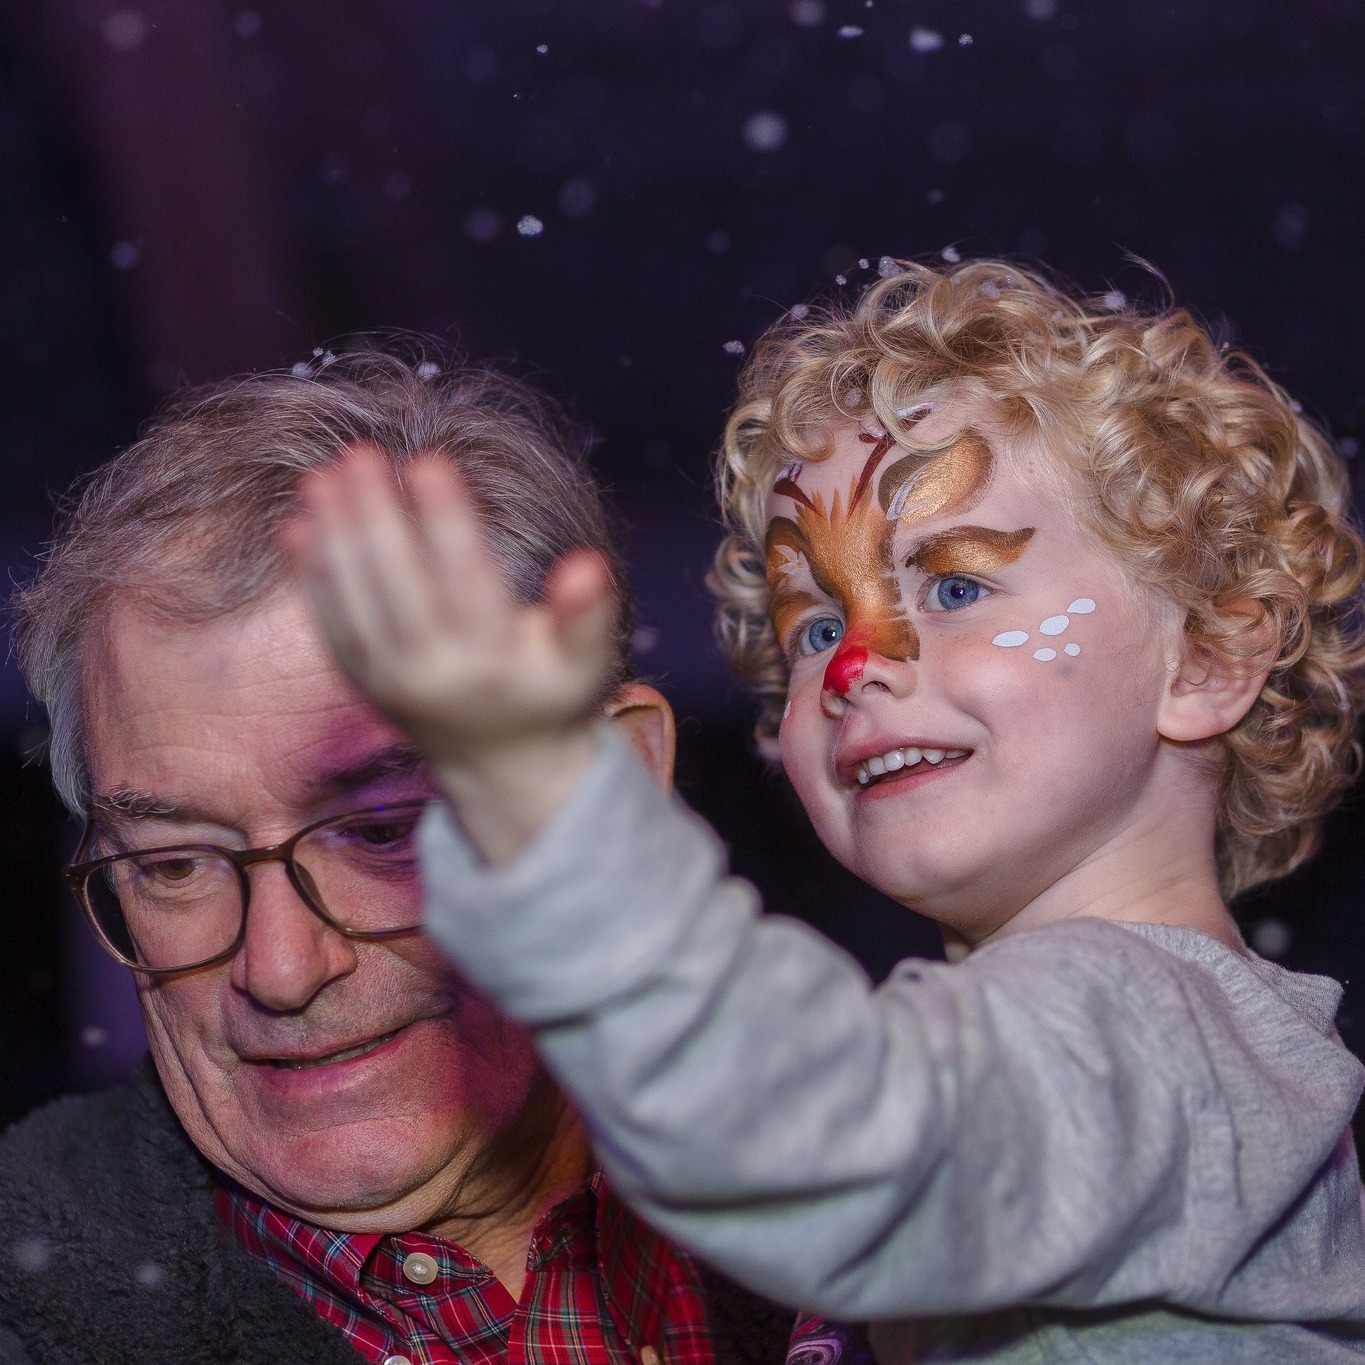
column 580, row 596
column 474, row 593
column 374, row 549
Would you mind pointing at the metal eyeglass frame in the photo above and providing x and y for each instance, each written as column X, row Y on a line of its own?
column 78, row 874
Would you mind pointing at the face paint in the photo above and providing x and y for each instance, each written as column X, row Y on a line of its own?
column 970, row 550
column 1053, row 625
column 847, row 665
column 847, row 546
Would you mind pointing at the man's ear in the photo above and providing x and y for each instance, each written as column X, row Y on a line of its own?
column 1209, row 695
column 646, row 719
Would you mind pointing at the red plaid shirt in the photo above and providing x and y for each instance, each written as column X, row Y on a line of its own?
column 601, row 1288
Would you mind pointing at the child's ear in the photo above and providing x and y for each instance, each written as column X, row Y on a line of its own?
column 1208, row 695
column 646, row 720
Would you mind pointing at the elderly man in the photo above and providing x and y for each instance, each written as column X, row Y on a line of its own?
column 340, row 1147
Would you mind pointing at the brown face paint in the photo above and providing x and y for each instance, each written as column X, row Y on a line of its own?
column 847, row 547
column 917, row 487
column 970, row 549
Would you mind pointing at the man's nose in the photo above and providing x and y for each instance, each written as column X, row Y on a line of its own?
column 289, row 954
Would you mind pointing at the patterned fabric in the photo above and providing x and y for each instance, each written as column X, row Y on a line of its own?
column 817, row 1341
column 601, row 1287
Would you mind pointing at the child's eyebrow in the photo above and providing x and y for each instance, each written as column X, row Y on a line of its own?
column 786, row 605
column 969, row 549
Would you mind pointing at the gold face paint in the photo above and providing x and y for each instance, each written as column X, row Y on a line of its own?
column 970, row 549
column 918, row 487
column 847, row 546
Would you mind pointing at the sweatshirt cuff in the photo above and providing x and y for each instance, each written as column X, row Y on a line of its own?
column 599, row 897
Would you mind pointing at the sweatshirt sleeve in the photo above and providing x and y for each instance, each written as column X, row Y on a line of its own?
column 1029, row 1126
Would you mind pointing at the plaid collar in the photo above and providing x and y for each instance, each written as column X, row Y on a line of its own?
column 601, row 1288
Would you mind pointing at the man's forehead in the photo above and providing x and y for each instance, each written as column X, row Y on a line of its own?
column 253, row 700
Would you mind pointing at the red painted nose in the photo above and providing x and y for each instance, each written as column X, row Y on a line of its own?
column 846, row 667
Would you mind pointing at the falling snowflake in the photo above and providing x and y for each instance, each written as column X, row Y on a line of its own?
column 765, row 131
column 1115, row 300
column 428, row 369
column 542, row 48
column 125, row 30
column 802, row 310
column 850, row 31
column 886, row 267
column 925, row 39
column 807, row 13
column 964, row 40
column 124, row 255
column 733, row 348
column 951, row 254
column 528, row 225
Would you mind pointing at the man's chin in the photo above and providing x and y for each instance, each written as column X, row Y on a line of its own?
column 355, row 1178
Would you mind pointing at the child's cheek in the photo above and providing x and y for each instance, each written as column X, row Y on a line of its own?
column 1050, row 639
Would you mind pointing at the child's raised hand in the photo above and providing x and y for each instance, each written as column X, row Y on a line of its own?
column 498, row 695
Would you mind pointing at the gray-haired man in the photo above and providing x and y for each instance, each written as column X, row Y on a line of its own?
column 341, row 1147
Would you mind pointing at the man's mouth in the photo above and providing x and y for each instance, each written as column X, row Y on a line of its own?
column 901, row 760
column 345, row 1055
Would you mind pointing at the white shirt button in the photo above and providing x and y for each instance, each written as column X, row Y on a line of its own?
column 397, row 1360
column 420, row 1268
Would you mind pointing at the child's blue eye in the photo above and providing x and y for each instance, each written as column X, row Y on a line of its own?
column 822, row 635
column 955, row 591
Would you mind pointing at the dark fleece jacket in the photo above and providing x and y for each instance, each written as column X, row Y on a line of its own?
column 115, row 1253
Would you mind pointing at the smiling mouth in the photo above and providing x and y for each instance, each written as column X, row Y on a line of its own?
column 903, row 760
column 345, row 1055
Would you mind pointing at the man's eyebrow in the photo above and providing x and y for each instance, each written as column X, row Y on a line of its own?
column 400, row 759
column 969, row 549
column 129, row 804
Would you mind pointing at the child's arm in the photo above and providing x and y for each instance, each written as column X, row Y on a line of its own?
column 1072, row 1118
column 496, row 694
column 1065, row 1119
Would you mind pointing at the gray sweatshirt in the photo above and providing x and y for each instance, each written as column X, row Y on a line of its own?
column 1090, row 1141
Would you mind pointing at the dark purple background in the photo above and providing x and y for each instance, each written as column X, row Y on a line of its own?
column 193, row 187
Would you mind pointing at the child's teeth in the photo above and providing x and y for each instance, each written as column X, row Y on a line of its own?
column 897, row 759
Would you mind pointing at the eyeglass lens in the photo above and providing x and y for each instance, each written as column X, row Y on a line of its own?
column 176, row 907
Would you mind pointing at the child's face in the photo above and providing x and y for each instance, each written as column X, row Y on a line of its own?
column 975, row 689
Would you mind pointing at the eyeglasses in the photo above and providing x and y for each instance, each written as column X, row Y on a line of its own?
column 184, row 906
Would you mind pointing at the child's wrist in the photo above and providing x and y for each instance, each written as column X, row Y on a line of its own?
column 503, row 796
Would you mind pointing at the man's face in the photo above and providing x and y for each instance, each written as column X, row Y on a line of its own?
column 352, row 1082
column 975, row 690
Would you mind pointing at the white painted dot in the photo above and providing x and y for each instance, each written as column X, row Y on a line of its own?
column 1082, row 606
column 1044, row 655
column 1011, row 639
column 1054, row 625
column 1073, row 650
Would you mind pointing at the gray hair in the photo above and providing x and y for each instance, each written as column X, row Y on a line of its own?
column 186, row 521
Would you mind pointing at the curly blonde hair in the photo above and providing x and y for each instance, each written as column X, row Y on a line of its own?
column 1195, row 471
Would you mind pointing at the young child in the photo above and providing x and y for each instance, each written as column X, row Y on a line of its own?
column 1051, row 610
